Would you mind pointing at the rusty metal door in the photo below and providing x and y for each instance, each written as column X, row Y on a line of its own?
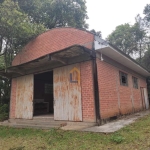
column 67, row 93
column 24, row 97
column 143, row 98
column 146, row 98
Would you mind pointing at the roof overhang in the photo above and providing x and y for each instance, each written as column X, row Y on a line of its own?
column 120, row 58
column 110, row 51
column 67, row 56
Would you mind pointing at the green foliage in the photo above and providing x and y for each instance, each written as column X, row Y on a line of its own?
column 4, row 90
column 117, row 138
column 23, row 20
column 16, row 30
column 147, row 12
column 98, row 33
column 54, row 13
column 129, row 39
column 4, row 109
column 2, row 64
column 146, row 59
column 17, row 148
column 122, row 38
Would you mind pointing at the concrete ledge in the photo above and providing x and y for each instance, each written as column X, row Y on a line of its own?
column 118, row 124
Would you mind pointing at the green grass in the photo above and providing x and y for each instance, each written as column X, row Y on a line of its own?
column 132, row 137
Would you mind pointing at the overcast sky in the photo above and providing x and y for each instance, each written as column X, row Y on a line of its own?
column 105, row 15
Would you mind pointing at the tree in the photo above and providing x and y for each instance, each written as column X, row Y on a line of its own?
column 15, row 30
column 147, row 20
column 122, row 38
column 22, row 20
column 98, row 33
column 146, row 59
column 130, row 39
column 140, row 36
column 56, row 13
column 147, row 12
column 4, row 85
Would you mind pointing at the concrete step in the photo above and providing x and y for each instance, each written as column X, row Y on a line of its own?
column 33, row 126
column 29, row 120
column 44, row 118
column 37, row 122
column 60, row 123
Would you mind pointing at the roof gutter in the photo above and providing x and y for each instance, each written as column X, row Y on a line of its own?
column 129, row 58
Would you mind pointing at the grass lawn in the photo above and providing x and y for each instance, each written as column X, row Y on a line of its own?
column 134, row 136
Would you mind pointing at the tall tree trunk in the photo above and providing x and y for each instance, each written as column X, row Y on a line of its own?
column 1, row 44
column 0, row 97
column 140, row 54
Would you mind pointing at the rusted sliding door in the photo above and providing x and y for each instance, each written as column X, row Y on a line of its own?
column 144, row 95
column 67, row 93
column 146, row 98
column 24, row 97
column 143, row 98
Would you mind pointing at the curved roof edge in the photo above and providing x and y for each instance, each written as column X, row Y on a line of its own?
column 67, row 31
column 82, row 29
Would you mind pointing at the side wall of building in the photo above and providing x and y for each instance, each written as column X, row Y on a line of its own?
column 116, row 99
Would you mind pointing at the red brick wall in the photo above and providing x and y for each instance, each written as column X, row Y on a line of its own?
column 107, row 81
column 114, row 98
column 13, row 98
column 52, row 41
column 88, row 104
column 125, row 92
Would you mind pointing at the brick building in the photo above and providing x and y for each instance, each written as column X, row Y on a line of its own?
column 74, row 75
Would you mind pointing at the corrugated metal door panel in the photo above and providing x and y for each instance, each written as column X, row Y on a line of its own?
column 61, row 94
column 146, row 98
column 67, row 93
column 75, row 106
column 143, row 98
column 24, row 97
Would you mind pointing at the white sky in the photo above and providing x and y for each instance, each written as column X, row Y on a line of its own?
column 105, row 15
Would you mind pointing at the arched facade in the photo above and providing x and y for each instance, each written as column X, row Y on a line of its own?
column 52, row 41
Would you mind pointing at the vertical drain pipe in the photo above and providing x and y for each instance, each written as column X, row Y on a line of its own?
column 96, row 89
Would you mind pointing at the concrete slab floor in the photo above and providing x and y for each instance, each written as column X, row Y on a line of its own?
column 118, row 124
column 106, row 128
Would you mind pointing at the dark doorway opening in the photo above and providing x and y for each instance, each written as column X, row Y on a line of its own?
column 43, row 94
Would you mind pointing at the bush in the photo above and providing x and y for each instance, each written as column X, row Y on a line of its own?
column 4, row 111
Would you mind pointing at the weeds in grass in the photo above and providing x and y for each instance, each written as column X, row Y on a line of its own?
column 17, row 148
column 117, row 138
